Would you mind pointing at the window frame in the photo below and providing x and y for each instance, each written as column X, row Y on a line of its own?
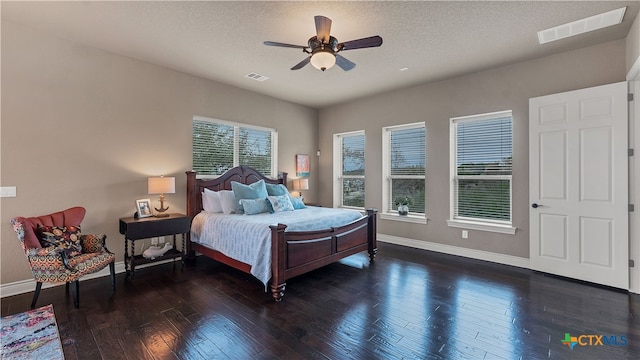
column 388, row 211
column 338, row 176
column 491, row 225
column 236, row 145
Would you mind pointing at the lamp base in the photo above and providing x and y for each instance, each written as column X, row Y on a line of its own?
column 161, row 215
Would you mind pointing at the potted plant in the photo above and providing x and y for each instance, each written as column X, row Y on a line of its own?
column 403, row 202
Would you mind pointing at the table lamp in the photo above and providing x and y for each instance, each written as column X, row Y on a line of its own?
column 300, row 184
column 162, row 185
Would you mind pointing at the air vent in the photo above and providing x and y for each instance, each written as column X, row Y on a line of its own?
column 577, row 27
column 256, row 76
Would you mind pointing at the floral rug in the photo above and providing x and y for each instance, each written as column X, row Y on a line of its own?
column 31, row 335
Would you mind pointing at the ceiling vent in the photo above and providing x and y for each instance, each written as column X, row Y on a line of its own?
column 577, row 27
column 256, row 77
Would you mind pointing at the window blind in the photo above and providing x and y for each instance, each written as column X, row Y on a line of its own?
column 352, row 168
column 254, row 149
column 219, row 146
column 484, row 147
column 483, row 160
column 406, row 166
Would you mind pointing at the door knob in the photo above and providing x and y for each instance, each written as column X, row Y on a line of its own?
column 535, row 206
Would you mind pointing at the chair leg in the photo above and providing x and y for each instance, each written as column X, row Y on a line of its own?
column 36, row 294
column 76, row 296
column 112, row 270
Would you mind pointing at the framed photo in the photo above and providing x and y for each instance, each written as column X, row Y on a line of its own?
column 302, row 165
column 143, row 206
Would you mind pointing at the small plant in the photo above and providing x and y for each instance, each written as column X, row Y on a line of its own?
column 403, row 200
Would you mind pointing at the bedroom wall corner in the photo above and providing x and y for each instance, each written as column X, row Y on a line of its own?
column 503, row 88
column 81, row 126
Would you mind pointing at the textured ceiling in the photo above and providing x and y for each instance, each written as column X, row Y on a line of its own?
column 222, row 41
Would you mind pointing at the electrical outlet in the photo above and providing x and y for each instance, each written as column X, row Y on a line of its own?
column 154, row 241
column 161, row 239
column 465, row 234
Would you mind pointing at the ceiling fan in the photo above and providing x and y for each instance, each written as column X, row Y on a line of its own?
column 324, row 48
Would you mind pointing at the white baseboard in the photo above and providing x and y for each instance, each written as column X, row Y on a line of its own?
column 25, row 286
column 470, row 253
column 455, row 250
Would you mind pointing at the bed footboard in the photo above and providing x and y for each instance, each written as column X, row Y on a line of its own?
column 296, row 253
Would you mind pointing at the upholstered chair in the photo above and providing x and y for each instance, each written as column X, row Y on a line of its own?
column 67, row 255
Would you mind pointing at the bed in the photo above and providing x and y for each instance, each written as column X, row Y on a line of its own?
column 292, row 252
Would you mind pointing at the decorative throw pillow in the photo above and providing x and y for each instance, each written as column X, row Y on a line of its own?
column 280, row 203
column 211, row 201
column 227, row 201
column 257, row 190
column 276, row 189
column 92, row 243
column 297, row 202
column 66, row 238
column 254, row 206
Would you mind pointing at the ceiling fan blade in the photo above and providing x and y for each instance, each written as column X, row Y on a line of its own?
column 345, row 64
column 323, row 28
column 273, row 43
column 302, row 63
column 372, row 41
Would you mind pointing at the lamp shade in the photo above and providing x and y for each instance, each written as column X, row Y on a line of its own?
column 323, row 60
column 301, row 184
column 162, row 185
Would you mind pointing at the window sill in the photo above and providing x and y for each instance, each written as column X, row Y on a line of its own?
column 416, row 219
column 475, row 225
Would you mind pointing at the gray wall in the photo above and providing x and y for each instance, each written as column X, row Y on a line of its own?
column 503, row 88
column 81, row 126
column 633, row 44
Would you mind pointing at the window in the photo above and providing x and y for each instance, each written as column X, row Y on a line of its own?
column 404, row 169
column 349, row 169
column 221, row 145
column 481, row 164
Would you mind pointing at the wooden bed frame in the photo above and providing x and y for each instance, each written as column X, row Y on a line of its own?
column 292, row 253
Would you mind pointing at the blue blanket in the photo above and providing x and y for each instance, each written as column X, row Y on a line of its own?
column 247, row 238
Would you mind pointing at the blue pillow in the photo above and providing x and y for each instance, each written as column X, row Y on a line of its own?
column 280, row 203
column 297, row 202
column 254, row 206
column 257, row 190
column 276, row 189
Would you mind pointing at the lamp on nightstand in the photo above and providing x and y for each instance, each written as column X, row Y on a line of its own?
column 300, row 184
column 162, row 185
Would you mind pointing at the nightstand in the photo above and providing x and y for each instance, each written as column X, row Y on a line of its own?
column 144, row 228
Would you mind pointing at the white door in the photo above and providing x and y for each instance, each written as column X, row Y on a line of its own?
column 578, row 184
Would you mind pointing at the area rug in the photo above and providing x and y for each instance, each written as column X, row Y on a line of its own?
column 31, row 335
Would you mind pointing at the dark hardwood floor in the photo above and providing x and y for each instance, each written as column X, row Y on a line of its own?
column 408, row 304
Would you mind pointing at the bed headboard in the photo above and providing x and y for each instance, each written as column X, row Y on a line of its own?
column 242, row 174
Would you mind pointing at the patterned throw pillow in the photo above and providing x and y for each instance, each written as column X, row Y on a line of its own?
column 280, row 203
column 66, row 238
column 92, row 243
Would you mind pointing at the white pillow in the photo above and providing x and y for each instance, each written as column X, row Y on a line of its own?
column 227, row 201
column 211, row 201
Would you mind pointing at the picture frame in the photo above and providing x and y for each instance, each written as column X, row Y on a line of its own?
column 143, row 207
column 302, row 165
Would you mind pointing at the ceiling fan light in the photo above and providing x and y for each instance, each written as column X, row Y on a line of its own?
column 323, row 60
